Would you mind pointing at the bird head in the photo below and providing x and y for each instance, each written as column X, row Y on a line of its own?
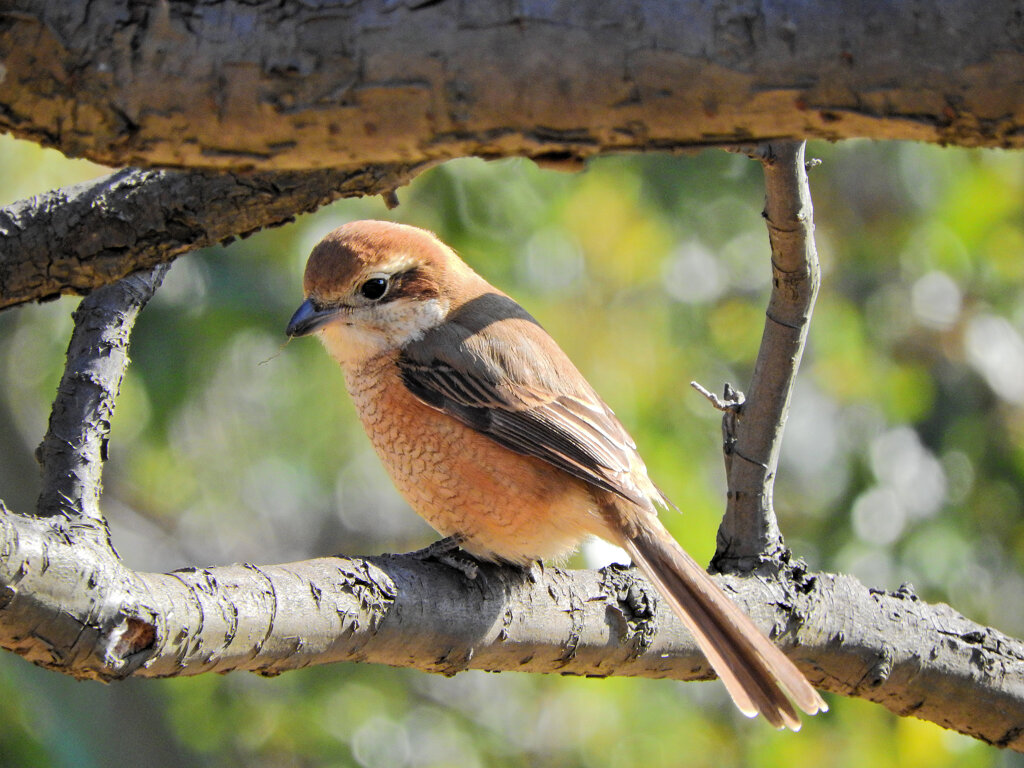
column 374, row 286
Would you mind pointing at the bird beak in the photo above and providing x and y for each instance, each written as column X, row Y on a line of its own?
column 308, row 319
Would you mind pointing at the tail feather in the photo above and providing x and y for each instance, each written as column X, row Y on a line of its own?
column 756, row 673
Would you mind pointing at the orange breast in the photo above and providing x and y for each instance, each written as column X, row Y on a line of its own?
column 507, row 506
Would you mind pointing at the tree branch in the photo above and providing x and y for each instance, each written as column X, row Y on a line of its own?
column 891, row 648
column 76, row 239
column 314, row 86
column 75, row 446
column 749, row 533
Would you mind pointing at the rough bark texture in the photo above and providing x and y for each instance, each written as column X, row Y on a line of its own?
column 264, row 84
column 76, row 239
column 911, row 657
column 75, row 446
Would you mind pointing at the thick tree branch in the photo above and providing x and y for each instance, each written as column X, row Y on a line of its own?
column 70, row 605
column 308, row 85
column 76, row 239
column 749, row 532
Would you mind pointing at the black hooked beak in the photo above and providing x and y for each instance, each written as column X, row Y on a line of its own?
column 308, row 318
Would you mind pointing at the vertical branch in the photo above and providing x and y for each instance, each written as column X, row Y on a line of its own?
column 749, row 533
column 72, row 453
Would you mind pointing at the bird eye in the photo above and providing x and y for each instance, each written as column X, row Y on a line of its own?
column 374, row 288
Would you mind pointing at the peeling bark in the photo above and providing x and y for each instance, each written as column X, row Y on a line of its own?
column 67, row 603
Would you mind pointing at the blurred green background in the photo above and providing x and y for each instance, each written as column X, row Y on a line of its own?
column 903, row 459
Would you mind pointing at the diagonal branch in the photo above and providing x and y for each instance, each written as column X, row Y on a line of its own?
column 749, row 533
column 75, row 446
column 76, row 239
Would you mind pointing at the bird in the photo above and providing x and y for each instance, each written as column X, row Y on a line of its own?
column 496, row 439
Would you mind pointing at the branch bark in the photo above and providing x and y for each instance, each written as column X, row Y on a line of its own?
column 76, row 239
column 298, row 85
column 891, row 648
column 75, row 446
column 749, row 534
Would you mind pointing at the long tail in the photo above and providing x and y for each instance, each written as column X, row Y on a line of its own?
column 756, row 673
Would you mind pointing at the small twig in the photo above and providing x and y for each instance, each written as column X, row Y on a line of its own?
column 749, row 534
column 730, row 404
column 75, row 446
column 731, row 400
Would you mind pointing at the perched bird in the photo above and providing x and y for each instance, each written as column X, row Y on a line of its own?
column 495, row 438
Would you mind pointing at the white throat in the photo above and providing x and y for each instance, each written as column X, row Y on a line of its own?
column 364, row 333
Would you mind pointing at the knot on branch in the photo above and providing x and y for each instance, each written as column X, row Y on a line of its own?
column 634, row 605
column 129, row 644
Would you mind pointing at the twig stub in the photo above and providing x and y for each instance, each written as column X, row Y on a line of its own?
column 732, row 399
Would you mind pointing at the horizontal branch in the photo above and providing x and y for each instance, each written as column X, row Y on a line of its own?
column 78, row 238
column 265, row 84
column 891, row 648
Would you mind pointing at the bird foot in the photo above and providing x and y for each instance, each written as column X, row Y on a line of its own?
column 449, row 552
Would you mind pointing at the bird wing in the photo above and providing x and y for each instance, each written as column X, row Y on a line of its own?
column 502, row 375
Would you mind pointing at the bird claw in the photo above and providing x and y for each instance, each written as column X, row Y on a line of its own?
column 448, row 551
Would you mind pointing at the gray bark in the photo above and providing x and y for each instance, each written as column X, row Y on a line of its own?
column 749, row 534
column 76, row 239
column 69, row 604
column 75, row 446
column 238, row 85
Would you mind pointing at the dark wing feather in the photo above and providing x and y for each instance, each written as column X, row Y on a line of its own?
column 510, row 388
